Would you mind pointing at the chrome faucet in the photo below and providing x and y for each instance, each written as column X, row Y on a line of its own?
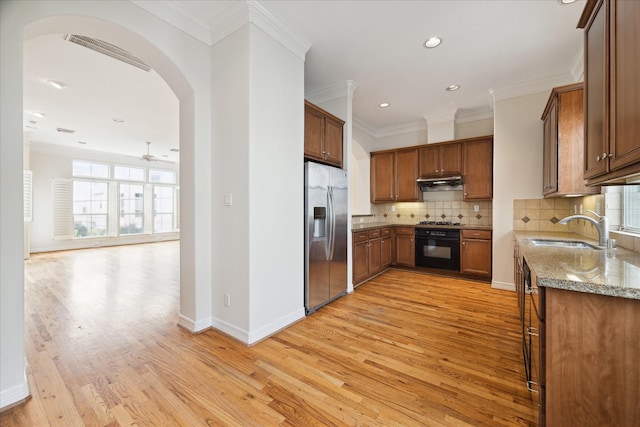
column 602, row 225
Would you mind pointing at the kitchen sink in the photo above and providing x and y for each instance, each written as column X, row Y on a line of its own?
column 574, row 244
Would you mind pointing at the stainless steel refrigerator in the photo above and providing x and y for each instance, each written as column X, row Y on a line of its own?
column 325, row 233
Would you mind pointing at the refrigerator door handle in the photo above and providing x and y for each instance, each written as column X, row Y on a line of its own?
column 332, row 224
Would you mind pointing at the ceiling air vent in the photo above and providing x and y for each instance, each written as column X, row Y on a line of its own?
column 63, row 130
column 107, row 49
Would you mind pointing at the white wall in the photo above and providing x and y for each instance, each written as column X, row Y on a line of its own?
column 517, row 172
column 474, row 128
column 185, row 64
column 52, row 161
column 359, row 180
column 258, row 118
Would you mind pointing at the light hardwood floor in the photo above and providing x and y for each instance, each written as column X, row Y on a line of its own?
column 405, row 349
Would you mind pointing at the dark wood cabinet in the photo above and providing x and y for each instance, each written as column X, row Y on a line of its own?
column 612, row 90
column 393, row 176
column 475, row 252
column 441, row 160
column 478, row 168
column 405, row 246
column 323, row 135
column 386, row 248
column 371, row 253
column 589, row 347
column 563, row 157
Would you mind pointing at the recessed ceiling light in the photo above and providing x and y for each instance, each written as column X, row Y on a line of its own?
column 118, row 120
column 175, row 150
column 37, row 114
column 65, row 130
column 563, row 2
column 31, row 127
column 453, row 87
column 433, row 42
column 33, row 122
column 82, row 142
column 57, row 84
column 384, row 105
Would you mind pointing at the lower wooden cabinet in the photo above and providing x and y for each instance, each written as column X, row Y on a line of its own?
column 475, row 252
column 372, row 253
column 589, row 359
column 405, row 246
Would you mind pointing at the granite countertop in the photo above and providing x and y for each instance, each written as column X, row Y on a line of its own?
column 613, row 272
column 368, row 226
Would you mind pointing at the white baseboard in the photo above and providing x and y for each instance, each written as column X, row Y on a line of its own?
column 14, row 394
column 193, row 326
column 252, row 337
column 503, row 285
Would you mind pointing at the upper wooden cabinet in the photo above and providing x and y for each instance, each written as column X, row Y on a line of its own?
column 478, row 168
column 323, row 135
column 441, row 160
column 564, row 143
column 393, row 176
column 612, row 90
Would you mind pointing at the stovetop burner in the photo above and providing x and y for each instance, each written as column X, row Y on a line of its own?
column 438, row 223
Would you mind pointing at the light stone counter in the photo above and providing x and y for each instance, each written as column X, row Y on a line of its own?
column 613, row 272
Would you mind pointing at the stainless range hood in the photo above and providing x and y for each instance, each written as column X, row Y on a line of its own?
column 448, row 183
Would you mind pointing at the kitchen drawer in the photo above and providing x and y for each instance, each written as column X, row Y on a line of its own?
column 360, row 236
column 404, row 230
column 385, row 232
column 476, row 234
column 374, row 234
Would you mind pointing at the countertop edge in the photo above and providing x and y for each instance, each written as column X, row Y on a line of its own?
column 553, row 280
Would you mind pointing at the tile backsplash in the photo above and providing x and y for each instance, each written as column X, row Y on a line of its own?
column 438, row 206
column 545, row 214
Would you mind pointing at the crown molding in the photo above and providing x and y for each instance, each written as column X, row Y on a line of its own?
column 172, row 12
column 335, row 91
column 240, row 13
column 474, row 114
column 534, row 86
column 443, row 117
column 234, row 17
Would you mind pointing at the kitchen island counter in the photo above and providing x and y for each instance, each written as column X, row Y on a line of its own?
column 612, row 272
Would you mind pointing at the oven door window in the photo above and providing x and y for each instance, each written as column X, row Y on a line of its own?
column 432, row 250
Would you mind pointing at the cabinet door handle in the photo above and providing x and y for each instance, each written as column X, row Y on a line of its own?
column 530, row 331
column 530, row 388
column 604, row 155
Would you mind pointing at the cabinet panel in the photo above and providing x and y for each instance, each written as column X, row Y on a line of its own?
column 382, row 177
column 375, row 263
column 478, row 169
column 475, row 257
column 323, row 135
column 386, row 252
column 612, row 93
column 393, row 176
column 625, row 84
column 313, row 131
column 596, row 93
column 563, row 158
column 441, row 160
column 590, row 345
column 406, row 173
column 405, row 250
column 333, row 141
column 360, row 261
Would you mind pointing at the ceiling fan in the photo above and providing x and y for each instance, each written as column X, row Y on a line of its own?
column 150, row 157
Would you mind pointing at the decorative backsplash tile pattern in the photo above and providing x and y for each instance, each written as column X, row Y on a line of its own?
column 545, row 214
column 448, row 207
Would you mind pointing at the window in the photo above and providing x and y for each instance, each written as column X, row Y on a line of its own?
column 162, row 176
column 131, row 208
column 127, row 173
column 163, row 209
column 90, row 170
column 631, row 208
column 90, row 208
